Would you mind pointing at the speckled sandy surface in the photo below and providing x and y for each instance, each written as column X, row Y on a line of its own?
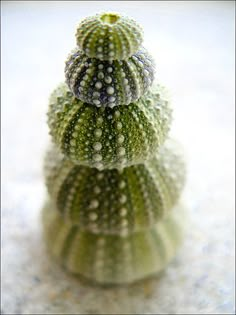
column 194, row 50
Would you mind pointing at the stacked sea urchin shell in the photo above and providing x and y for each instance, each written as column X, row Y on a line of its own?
column 113, row 182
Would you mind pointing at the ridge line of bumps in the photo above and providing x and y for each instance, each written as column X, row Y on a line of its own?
column 108, row 171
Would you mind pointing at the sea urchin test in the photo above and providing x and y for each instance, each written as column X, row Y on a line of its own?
column 109, row 36
column 115, row 200
column 109, row 83
column 114, row 178
column 108, row 137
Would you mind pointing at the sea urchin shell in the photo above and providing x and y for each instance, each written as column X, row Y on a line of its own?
column 108, row 137
column 115, row 201
column 113, row 259
column 109, row 83
column 109, row 36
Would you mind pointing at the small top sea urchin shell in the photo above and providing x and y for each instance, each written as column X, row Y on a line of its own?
column 109, row 36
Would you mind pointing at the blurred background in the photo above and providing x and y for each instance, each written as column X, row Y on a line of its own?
column 193, row 46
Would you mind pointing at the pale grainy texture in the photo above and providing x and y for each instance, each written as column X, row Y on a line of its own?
column 194, row 51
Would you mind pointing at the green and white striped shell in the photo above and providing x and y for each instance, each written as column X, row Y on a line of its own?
column 113, row 259
column 116, row 201
column 109, row 36
column 109, row 83
column 108, row 137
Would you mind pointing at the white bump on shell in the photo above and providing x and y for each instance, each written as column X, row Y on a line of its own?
column 98, row 133
column 97, row 157
column 110, row 90
column 119, row 125
column 94, row 204
column 97, row 146
column 98, row 85
column 123, row 212
column 108, row 79
column 123, row 198
column 93, row 216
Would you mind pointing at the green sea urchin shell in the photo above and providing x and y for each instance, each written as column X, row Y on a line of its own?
column 116, row 201
column 109, row 36
column 109, row 83
column 108, row 137
column 113, row 259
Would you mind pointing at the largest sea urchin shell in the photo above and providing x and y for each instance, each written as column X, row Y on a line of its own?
column 109, row 83
column 109, row 36
column 113, row 259
column 108, row 137
column 116, row 201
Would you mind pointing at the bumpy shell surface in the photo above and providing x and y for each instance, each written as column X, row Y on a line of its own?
column 112, row 259
column 109, row 36
column 108, row 137
column 109, row 83
column 116, row 201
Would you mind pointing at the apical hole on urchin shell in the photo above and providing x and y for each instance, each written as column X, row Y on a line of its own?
column 110, row 18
